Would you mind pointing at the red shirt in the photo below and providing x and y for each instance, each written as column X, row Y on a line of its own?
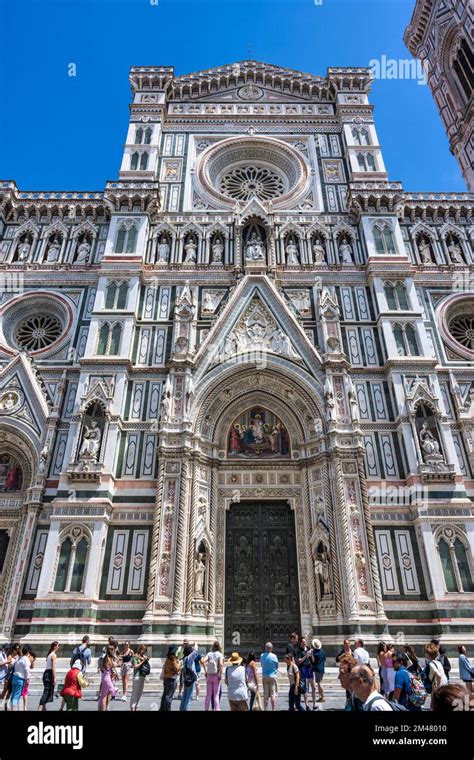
column 71, row 686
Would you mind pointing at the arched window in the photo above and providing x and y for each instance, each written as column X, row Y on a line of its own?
column 405, row 338
column 361, row 160
column 134, row 161
column 383, row 239
column 72, row 562
column 111, row 295
column 116, row 295
column 126, row 238
column 371, row 163
column 364, row 136
column 463, row 65
column 396, row 296
column 148, row 134
column 139, row 136
column 143, row 161
column 457, row 571
column 356, row 136
column 114, row 347
column 103, row 340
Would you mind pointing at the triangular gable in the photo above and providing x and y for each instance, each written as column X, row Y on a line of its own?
column 255, row 321
column 30, row 407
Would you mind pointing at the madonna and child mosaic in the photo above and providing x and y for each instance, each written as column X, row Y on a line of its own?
column 258, row 434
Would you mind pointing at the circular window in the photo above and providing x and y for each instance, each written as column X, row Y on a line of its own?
column 462, row 330
column 35, row 333
column 36, row 322
column 456, row 321
column 239, row 169
column 246, row 182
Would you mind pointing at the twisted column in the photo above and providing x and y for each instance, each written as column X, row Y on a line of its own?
column 369, row 532
column 181, row 541
column 192, row 524
column 346, row 539
column 155, row 541
column 332, row 540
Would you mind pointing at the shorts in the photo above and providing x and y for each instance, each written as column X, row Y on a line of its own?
column 125, row 669
column 319, row 677
column 270, row 686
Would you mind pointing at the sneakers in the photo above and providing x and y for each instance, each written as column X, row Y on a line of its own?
column 124, row 698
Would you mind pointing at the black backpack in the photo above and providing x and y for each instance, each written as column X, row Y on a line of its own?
column 394, row 705
column 145, row 668
column 78, row 654
column 189, row 676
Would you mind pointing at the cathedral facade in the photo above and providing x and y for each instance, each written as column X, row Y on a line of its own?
column 236, row 385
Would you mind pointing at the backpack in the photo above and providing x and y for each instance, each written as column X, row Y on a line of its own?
column 145, row 668
column 425, row 677
column 78, row 654
column 189, row 676
column 416, row 693
column 396, row 707
column 211, row 666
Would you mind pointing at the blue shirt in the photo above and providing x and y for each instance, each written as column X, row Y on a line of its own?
column 402, row 681
column 269, row 663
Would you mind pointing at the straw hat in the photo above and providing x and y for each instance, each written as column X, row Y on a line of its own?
column 316, row 644
column 235, row 659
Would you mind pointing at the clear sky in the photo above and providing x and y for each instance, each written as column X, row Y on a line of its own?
column 62, row 132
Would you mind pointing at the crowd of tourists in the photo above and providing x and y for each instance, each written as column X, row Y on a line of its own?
column 403, row 681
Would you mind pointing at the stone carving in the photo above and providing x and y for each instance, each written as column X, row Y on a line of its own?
column 199, row 576
column 455, row 254
column 165, row 407
column 255, row 249
column 191, row 252
column 319, row 253
column 345, row 252
column 24, row 251
column 164, row 251
column 322, row 570
column 91, row 439
column 258, row 331
column 217, row 251
column 301, row 301
column 425, row 251
column 52, row 255
column 211, row 300
column 429, row 445
column 8, row 402
column 291, row 251
column 43, row 460
column 330, row 402
column 83, row 253
column 353, row 404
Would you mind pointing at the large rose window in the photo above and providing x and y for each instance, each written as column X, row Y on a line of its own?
column 245, row 182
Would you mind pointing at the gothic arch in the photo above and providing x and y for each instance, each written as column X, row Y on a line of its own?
column 21, row 447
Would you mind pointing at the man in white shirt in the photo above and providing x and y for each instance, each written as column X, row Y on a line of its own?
column 362, row 656
column 362, row 682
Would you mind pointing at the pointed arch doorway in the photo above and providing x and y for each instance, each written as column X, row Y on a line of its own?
column 261, row 576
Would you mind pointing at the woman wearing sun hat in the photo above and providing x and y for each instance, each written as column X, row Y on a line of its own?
column 318, row 659
column 236, row 682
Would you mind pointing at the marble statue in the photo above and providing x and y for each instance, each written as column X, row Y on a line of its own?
column 53, row 253
column 291, row 254
column 24, row 251
column 255, row 250
column 43, row 459
column 345, row 251
column 428, row 442
column 83, row 253
column 191, row 255
column 425, row 251
column 456, row 254
column 165, row 408
column 164, row 251
column 91, row 439
column 319, row 253
column 217, row 252
column 199, row 573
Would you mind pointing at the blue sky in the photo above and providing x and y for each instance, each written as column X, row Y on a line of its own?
column 61, row 132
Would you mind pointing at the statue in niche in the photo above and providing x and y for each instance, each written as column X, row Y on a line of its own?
column 52, row 255
column 42, row 460
column 455, row 253
column 11, row 475
column 345, row 252
column 83, row 253
column 8, row 401
column 425, row 251
column 165, row 407
column 199, row 576
column 291, row 251
column 191, row 251
column 24, row 251
column 428, row 443
column 91, row 439
column 302, row 301
column 353, row 404
column 217, row 251
column 322, row 569
column 255, row 250
column 319, row 252
column 164, row 251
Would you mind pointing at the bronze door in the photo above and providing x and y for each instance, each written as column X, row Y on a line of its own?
column 261, row 581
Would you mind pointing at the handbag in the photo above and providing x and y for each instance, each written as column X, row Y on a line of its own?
column 257, row 705
column 145, row 668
